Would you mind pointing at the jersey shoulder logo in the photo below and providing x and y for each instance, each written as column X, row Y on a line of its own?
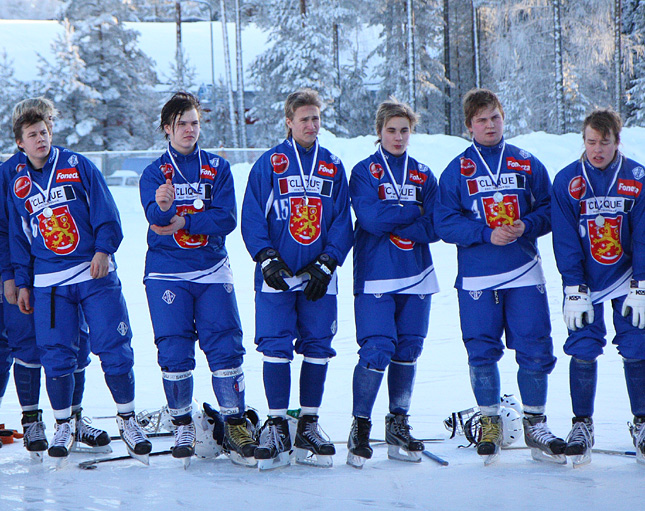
column 629, row 187
column 279, row 162
column 417, row 177
column 327, row 169
column 521, row 165
column 638, row 172
column 73, row 160
column 67, row 176
column 376, row 170
column 22, row 187
column 577, row 187
column 467, row 167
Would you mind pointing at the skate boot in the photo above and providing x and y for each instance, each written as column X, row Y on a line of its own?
column 313, row 446
column 134, row 437
column 401, row 445
column 239, row 442
column 358, row 445
column 64, row 434
column 491, row 439
column 637, row 429
column 274, row 448
column 185, row 436
column 34, row 437
column 96, row 439
column 545, row 446
column 580, row 441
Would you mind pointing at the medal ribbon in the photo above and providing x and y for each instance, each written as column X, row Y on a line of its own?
column 494, row 178
column 302, row 173
column 613, row 181
column 397, row 189
column 199, row 184
column 51, row 178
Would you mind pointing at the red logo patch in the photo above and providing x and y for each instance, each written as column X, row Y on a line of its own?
column 501, row 213
column 629, row 187
column 577, row 187
column 468, row 167
column 182, row 237
column 418, row 177
column 279, row 162
column 327, row 169
column 208, row 173
column 59, row 231
column 19, row 167
column 22, row 187
column 523, row 165
column 167, row 170
column 402, row 243
column 304, row 219
column 67, row 176
column 606, row 247
column 376, row 170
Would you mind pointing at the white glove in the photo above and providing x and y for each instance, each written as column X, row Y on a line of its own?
column 578, row 308
column 635, row 303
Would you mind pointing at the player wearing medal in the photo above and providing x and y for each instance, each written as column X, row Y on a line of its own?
column 296, row 223
column 188, row 198
column 64, row 228
column 494, row 202
column 599, row 242
column 393, row 197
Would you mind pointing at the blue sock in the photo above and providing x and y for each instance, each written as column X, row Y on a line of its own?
column 486, row 386
column 533, row 388
column 635, row 379
column 400, row 382
column 277, row 384
column 121, row 386
column 179, row 392
column 365, row 389
column 583, row 376
column 60, row 390
column 228, row 385
column 79, row 387
column 312, row 382
column 4, row 380
column 27, row 380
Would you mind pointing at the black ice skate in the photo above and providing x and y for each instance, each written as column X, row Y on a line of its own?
column 358, row 445
column 545, row 446
column 34, row 438
column 274, row 448
column 185, row 436
column 96, row 440
column 637, row 430
column 401, row 445
column 313, row 446
column 63, row 439
column 491, row 439
column 239, row 443
column 134, row 437
column 580, row 441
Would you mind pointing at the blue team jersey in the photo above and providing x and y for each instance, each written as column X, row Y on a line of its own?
column 391, row 236
column 8, row 170
column 205, row 197
column 473, row 201
column 61, row 233
column 599, row 226
column 278, row 213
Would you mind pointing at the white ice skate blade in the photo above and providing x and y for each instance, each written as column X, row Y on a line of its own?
column 186, row 462
column 61, row 462
column 540, row 455
column 395, row 452
column 581, row 459
column 306, row 457
column 37, row 456
column 142, row 458
column 640, row 457
column 237, row 459
column 355, row 461
column 283, row 459
column 99, row 449
column 490, row 459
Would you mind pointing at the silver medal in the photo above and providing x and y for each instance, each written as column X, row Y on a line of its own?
column 498, row 197
column 306, row 201
column 198, row 203
column 47, row 212
column 600, row 220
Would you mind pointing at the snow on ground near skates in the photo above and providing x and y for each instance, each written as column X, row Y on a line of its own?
column 442, row 386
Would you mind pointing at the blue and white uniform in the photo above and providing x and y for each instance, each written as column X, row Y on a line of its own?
column 188, row 278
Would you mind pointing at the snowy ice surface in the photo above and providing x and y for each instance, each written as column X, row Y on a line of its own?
column 442, row 386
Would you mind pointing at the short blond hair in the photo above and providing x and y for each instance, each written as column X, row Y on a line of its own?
column 301, row 97
column 41, row 104
column 393, row 108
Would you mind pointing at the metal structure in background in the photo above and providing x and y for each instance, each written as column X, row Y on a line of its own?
column 210, row 17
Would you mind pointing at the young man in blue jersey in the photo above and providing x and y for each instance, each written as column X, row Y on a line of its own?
column 393, row 197
column 296, row 224
column 64, row 230
column 598, row 218
column 189, row 201
column 494, row 202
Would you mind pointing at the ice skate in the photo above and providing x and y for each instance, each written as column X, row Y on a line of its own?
column 313, row 446
column 401, row 445
column 637, row 430
column 274, row 447
column 544, row 445
column 184, row 447
column 134, row 437
column 358, row 445
column 580, row 441
column 491, row 439
column 34, row 438
column 96, row 440
column 239, row 443
column 64, row 434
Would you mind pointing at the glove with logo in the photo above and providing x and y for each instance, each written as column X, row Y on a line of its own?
column 578, row 309
column 635, row 303
column 320, row 272
column 274, row 269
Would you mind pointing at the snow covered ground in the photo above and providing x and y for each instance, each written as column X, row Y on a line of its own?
column 442, row 386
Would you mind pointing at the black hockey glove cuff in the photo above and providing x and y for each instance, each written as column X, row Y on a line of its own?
column 320, row 272
column 274, row 269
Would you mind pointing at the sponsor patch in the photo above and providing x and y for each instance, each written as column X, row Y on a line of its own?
column 279, row 162
column 317, row 185
column 22, row 187
column 418, row 177
column 208, row 173
column 521, row 165
column 629, row 187
column 468, row 167
column 327, row 169
column 577, row 187
column 409, row 193
column 606, row 206
column 67, row 176
column 506, row 182
column 376, row 170
column 401, row 243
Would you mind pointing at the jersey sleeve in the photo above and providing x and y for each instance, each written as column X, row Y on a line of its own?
column 20, row 245
column 258, row 197
column 422, row 229
column 6, row 268
column 538, row 220
column 637, row 219
column 340, row 235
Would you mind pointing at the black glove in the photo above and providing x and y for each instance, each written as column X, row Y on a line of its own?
column 274, row 269
column 320, row 272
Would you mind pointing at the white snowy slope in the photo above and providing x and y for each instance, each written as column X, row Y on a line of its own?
column 442, row 386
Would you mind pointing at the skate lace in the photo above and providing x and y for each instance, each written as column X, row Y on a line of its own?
column 541, row 433
column 133, row 432
column 84, row 430
column 580, row 432
column 638, row 434
column 62, row 434
column 239, row 434
column 270, row 438
column 185, row 434
column 491, row 431
column 402, row 427
column 315, row 434
column 35, row 431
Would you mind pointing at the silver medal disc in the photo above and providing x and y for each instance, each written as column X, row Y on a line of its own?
column 48, row 212
column 600, row 220
column 198, row 203
column 498, row 197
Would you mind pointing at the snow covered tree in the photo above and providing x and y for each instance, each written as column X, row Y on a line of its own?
column 634, row 58
column 11, row 91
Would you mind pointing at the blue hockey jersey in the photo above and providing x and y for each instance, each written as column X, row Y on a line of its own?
column 391, row 237
column 63, row 233
column 195, row 253
column 473, row 201
column 8, row 171
column 278, row 213
column 599, row 226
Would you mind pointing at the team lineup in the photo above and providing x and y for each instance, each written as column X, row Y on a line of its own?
column 60, row 228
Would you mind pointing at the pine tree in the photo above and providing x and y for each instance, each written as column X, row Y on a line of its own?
column 10, row 93
column 633, row 28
